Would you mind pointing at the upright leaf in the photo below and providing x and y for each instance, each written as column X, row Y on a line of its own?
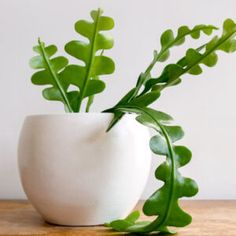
column 86, row 76
column 50, row 74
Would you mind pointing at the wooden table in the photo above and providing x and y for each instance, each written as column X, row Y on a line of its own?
column 210, row 218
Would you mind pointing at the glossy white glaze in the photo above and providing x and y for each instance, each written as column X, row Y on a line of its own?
column 74, row 173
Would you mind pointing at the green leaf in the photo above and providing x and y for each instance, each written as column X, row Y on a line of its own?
column 146, row 99
column 175, row 132
column 133, row 216
column 87, row 52
column 50, row 74
column 74, row 99
column 195, row 70
column 37, row 62
column 74, row 74
column 121, row 225
column 163, row 203
column 102, row 66
column 119, row 114
column 58, row 75
column 158, row 145
column 147, row 120
column 58, row 63
column 183, row 155
column 91, row 97
column 94, row 87
column 167, row 42
column 52, row 94
column 191, row 63
column 168, row 39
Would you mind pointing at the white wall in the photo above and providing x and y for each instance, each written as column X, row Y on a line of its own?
column 203, row 105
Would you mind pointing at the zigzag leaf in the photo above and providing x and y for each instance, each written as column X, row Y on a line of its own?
column 56, row 72
column 50, row 74
column 191, row 63
column 87, row 75
column 168, row 40
column 164, row 202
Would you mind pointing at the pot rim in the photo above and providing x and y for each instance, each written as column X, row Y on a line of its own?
column 74, row 114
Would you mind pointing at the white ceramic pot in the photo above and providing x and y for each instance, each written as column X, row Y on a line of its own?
column 74, row 173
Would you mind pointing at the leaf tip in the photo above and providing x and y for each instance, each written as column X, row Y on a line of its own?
column 100, row 10
column 39, row 40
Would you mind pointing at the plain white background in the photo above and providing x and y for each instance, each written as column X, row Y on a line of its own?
column 204, row 105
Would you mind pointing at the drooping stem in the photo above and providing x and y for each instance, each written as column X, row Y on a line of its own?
column 160, row 221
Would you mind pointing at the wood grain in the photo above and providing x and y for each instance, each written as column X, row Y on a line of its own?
column 210, row 218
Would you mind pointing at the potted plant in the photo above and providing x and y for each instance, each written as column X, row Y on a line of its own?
column 90, row 168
